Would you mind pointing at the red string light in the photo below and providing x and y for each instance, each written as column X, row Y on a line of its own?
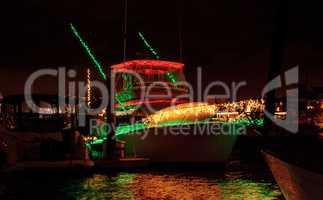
column 148, row 63
column 152, row 101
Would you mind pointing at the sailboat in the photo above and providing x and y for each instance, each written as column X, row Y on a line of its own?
column 293, row 158
column 297, row 167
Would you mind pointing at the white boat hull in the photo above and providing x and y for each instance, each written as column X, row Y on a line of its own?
column 171, row 145
column 295, row 183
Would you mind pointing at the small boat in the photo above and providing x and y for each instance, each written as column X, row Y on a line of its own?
column 43, row 138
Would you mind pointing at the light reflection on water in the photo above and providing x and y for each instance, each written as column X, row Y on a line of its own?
column 238, row 181
column 247, row 189
column 169, row 186
column 100, row 187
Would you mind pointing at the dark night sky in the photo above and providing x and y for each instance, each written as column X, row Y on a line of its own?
column 231, row 40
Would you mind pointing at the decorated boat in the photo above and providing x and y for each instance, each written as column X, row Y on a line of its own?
column 156, row 120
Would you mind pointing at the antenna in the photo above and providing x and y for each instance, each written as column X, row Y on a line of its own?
column 125, row 30
column 180, row 29
column 277, row 54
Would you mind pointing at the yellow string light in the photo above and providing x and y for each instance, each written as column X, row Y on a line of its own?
column 183, row 112
column 201, row 111
column 89, row 90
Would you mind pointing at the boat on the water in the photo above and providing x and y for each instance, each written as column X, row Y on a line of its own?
column 171, row 145
column 45, row 137
column 183, row 139
column 295, row 158
column 297, row 167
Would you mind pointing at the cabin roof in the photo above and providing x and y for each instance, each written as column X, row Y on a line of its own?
column 148, row 63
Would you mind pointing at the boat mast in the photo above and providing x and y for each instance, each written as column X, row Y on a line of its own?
column 277, row 54
column 111, row 140
column 125, row 30
column 180, row 30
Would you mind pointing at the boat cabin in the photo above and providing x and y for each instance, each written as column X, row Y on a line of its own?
column 143, row 87
column 48, row 117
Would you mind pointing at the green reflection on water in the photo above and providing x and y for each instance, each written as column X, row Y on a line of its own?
column 100, row 187
column 169, row 186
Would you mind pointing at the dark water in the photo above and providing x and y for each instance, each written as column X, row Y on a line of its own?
column 238, row 181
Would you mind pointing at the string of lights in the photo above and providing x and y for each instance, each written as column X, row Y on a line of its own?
column 97, row 64
column 171, row 77
column 151, row 63
column 148, row 46
column 193, row 112
column 89, row 90
column 202, row 111
column 198, row 113
column 88, row 51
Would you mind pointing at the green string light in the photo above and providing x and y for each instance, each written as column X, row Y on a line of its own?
column 127, row 93
column 88, row 51
column 119, row 98
column 124, row 96
column 148, row 46
column 123, row 130
column 171, row 77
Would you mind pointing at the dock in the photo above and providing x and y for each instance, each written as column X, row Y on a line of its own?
column 65, row 164
column 123, row 163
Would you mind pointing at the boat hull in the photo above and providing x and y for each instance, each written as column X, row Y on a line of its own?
column 180, row 144
column 296, row 183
